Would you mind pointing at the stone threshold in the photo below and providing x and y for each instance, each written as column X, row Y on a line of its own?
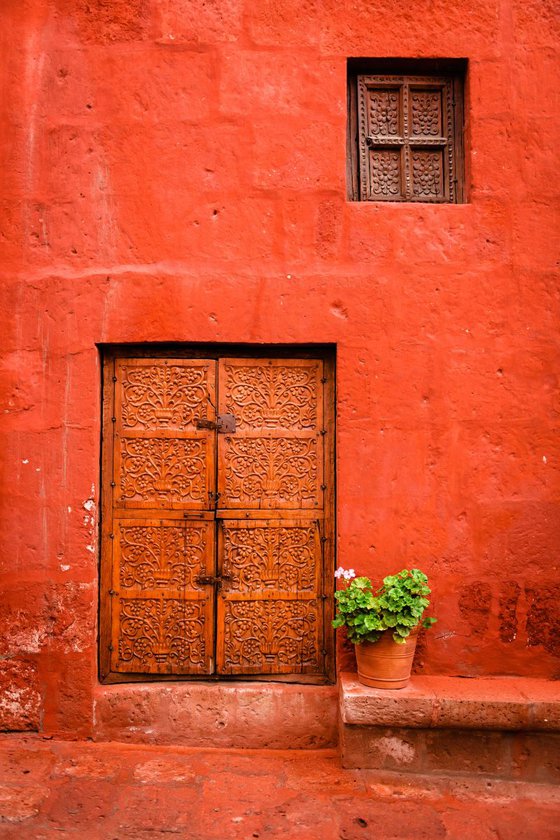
column 502, row 727
column 246, row 715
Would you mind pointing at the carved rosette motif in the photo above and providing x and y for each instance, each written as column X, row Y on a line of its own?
column 162, row 469
column 279, row 469
column 279, row 558
column 385, row 173
column 272, row 397
column 426, row 174
column 158, row 632
column 262, row 634
column 384, row 112
column 426, row 113
column 163, row 396
column 161, row 556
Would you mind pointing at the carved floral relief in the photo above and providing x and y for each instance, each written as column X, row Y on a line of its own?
column 386, row 173
column 279, row 557
column 163, row 468
column 264, row 634
column 162, row 556
column 426, row 113
column 426, row 174
column 161, row 631
column 260, row 471
column 161, row 619
column 163, row 396
column 263, row 396
column 406, row 138
column 384, row 112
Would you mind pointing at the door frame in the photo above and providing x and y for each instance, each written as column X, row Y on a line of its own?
column 109, row 353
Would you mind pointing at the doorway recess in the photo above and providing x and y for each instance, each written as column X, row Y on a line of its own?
column 217, row 513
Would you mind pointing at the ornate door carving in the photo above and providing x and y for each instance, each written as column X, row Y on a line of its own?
column 214, row 544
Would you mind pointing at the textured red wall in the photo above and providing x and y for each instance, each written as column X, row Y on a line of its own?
column 174, row 170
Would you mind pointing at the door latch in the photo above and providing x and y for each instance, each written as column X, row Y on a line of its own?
column 225, row 424
column 204, row 580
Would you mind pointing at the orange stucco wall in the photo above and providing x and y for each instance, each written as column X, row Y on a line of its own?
column 175, row 171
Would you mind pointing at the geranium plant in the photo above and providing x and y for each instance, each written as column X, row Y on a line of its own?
column 397, row 605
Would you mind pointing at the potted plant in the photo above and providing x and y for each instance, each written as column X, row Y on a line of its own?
column 383, row 624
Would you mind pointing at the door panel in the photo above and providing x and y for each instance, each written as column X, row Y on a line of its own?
column 275, row 458
column 163, row 619
column 214, row 544
column 161, row 458
column 269, row 618
column 261, row 557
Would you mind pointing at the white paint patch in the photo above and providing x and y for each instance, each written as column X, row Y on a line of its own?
column 107, row 228
column 69, row 509
column 34, row 66
column 393, row 747
column 64, row 568
column 89, row 518
column 26, row 641
column 14, row 700
column 544, row 460
column 158, row 770
column 25, row 461
column 90, row 522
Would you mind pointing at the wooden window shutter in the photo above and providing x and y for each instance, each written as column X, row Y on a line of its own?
column 408, row 138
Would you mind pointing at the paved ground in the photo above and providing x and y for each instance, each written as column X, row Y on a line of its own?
column 49, row 789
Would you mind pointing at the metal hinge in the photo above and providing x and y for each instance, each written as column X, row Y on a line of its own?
column 225, row 424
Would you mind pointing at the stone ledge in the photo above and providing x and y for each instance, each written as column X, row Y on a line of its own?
column 500, row 703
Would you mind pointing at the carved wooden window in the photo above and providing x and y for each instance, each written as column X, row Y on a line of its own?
column 217, row 518
column 406, row 138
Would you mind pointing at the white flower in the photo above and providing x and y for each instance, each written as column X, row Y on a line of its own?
column 347, row 574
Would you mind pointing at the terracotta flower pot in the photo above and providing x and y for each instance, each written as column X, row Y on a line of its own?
column 385, row 664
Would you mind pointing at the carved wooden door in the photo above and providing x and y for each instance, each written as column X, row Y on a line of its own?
column 214, row 541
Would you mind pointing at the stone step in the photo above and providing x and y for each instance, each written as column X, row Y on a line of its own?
column 507, row 728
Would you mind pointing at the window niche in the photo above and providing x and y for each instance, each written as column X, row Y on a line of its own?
column 405, row 130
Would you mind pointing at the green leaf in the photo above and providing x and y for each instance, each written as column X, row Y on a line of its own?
column 398, row 604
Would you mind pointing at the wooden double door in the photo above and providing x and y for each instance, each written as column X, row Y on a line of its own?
column 217, row 518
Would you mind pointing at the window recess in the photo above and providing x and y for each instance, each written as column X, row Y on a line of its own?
column 405, row 134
